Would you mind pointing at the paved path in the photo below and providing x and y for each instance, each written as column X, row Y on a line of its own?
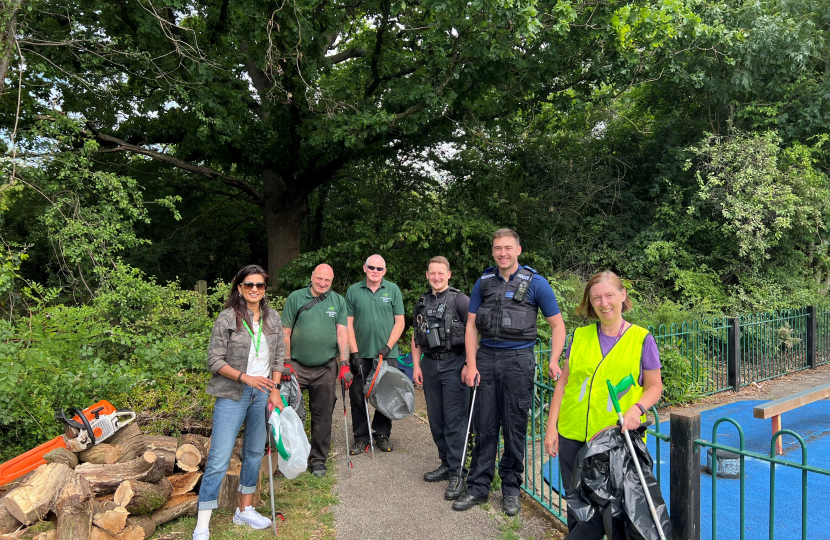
column 387, row 499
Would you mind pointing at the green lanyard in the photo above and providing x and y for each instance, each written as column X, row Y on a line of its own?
column 258, row 338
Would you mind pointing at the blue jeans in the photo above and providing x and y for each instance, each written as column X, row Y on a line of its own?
column 228, row 416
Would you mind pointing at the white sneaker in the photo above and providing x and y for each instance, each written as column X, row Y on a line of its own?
column 251, row 518
column 201, row 534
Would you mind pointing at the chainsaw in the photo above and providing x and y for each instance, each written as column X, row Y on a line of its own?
column 85, row 429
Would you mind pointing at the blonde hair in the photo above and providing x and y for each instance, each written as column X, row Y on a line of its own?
column 438, row 259
column 507, row 232
column 586, row 309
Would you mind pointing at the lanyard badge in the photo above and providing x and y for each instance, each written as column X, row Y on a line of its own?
column 258, row 338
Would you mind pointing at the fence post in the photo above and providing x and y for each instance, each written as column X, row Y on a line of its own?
column 733, row 354
column 201, row 288
column 812, row 327
column 684, row 473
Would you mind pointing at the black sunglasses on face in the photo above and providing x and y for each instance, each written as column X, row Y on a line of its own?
column 248, row 285
column 375, row 268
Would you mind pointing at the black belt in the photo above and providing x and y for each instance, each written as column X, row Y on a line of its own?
column 442, row 355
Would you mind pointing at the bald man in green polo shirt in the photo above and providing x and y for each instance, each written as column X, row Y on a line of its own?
column 375, row 323
column 314, row 323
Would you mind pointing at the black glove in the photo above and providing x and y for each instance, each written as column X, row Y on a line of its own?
column 384, row 352
column 354, row 357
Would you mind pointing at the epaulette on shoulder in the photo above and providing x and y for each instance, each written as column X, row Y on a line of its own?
column 489, row 269
column 531, row 269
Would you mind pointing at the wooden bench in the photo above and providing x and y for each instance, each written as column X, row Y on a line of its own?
column 774, row 409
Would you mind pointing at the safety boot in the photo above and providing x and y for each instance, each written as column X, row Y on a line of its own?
column 359, row 447
column 439, row 474
column 455, row 487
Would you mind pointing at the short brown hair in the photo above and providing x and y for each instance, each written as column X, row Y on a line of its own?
column 585, row 308
column 439, row 260
column 507, row 232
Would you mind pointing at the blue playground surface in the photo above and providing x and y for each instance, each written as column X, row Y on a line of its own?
column 811, row 421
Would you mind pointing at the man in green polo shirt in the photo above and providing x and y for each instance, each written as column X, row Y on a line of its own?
column 375, row 323
column 314, row 322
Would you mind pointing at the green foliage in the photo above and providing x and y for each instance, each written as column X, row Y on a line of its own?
column 681, row 382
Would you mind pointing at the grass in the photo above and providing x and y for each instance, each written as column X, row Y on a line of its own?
column 306, row 502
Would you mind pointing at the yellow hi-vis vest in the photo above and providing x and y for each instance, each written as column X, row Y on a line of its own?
column 586, row 406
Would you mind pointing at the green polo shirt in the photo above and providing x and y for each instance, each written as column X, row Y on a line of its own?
column 374, row 315
column 314, row 335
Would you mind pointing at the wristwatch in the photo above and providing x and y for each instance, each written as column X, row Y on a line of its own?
column 278, row 386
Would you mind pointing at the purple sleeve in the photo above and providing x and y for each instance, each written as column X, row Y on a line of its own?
column 568, row 350
column 651, row 355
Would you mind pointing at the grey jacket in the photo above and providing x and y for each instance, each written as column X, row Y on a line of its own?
column 231, row 346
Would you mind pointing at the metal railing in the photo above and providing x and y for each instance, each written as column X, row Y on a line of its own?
column 773, row 461
column 823, row 336
column 773, row 344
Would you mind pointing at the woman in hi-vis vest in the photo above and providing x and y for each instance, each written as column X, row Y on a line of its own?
column 609, row 350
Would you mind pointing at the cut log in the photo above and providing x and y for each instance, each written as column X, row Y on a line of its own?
column 107, row 478
column 229, row 489
column 165, row 447
column 109, row 517
column 141, row 497
column 100, row 534
column 62, row 455
column 8, row 523
column 102, row 454
column 32, row 500
column 130, row 439
column 51, row 534
column 74, row 509
column 202, row 443
column 181, row 505
column 188, row 457
column 138, row 528
column 184, row 483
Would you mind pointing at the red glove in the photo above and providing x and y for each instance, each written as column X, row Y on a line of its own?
column 345, row 375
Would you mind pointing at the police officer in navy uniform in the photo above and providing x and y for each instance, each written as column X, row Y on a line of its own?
column 503, row 307
column 439, row 331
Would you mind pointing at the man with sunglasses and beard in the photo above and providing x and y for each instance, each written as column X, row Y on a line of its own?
column 314, row 323
column 375, row 317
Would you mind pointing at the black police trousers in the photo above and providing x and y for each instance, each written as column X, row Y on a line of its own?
column 503, row 399
column 381, row 424
column 448, row 400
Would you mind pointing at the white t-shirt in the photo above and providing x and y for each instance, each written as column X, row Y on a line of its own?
column 258, row 365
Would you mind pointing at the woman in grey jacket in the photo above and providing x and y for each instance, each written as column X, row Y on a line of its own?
column 246, row 358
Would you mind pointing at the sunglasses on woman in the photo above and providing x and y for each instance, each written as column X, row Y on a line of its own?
column 248, row 285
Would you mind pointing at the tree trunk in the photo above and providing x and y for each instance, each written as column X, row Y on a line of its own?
column 188, row 457
column 284, row 213
column 131, row 440
column 102, row 454
column 62, row 455
column 74, row 509
column 8, row 523
column 165, row 447
column 32, row 500
column 141, row 497
column 181, row 505
column 109, row 517
column 184, row 483
column 200, row 442
column 107, row 478
column 8, row 24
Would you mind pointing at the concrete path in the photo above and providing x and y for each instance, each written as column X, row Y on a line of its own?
column 387, row 498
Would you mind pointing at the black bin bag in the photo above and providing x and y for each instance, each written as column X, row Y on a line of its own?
column 608, row 498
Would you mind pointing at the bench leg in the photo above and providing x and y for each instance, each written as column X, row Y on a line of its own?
column 776, row 427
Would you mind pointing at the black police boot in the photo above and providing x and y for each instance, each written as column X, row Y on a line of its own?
column 511, row 505
column 467, row 501
column 439, row 474
column 455, row 487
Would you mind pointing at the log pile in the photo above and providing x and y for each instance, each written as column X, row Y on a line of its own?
column 122, row 489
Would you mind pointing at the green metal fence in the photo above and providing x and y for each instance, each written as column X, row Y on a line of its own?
column 773, row 461
column 823, row 336
column 704, row 343
column 773, row 344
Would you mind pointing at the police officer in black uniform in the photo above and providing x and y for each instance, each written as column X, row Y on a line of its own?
column 439, row 328
column 503, row 307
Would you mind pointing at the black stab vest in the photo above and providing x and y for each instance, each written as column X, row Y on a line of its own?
column 500, row 317
column 450, row 326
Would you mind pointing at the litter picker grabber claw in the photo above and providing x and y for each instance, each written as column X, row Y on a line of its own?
column 366, row 402
column 346, row 423
column 270, row 437
column 469, row 423
column 613, row 391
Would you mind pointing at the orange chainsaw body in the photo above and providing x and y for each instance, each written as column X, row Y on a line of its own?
column 101, row 427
